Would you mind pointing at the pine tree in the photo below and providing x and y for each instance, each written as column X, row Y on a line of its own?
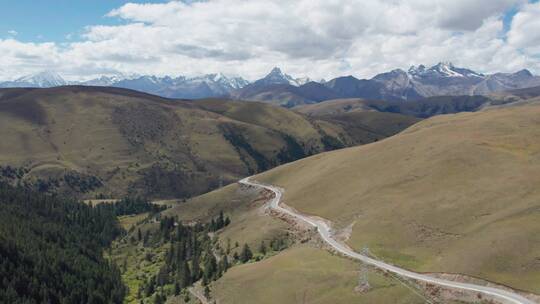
column 213, row 225
column 176, row 288
column 210, row 267
column 207, row 292
column 146, row 238
column 185, row 275
column 196, row 268
column 228, row 250
column 262, row 248
column 246, row 254
column 225, row 263
column 159, row 299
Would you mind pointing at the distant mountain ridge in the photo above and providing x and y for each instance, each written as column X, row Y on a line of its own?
column 210, row 85
column 45, row 79
column 419, row 82
column 277, row 87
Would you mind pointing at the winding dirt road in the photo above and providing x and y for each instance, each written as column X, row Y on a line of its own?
column 324, row 230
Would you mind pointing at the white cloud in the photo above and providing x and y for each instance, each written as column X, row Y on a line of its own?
column 13, row 33
column 525, row 30
column 319, row 38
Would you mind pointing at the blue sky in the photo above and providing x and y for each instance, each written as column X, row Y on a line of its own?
column 54, row 20
column 314, row 38
column 65, row 20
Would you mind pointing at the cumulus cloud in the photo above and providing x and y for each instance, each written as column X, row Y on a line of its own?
column 318, row 38
column 525, row 30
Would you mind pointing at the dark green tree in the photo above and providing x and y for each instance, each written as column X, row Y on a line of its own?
column 246, row 254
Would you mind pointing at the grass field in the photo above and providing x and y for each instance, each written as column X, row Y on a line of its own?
column 136, row 143
column 307, row 275
column 137, row 264
column 300, row 274
column 453, row 193
column 248, row 225
column 128, row 221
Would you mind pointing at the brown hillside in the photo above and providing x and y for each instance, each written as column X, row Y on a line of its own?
column 453, row 193
column 114, row 141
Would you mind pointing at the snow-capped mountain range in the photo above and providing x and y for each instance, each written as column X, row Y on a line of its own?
column 179, row 87
column 278, row 87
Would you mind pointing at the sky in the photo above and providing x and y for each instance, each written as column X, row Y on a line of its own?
column 82, row 39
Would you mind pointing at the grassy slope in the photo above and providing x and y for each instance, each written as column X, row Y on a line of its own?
column 306, row 275
column 454, row 193
column 422, row 108
column 288, row 277
column 367, row 127
column 134, row 141
column 248, row 223
column 335, row 106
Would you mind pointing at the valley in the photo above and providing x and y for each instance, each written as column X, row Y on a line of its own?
column 335, row 160
column 440, row 228
column 270, row 152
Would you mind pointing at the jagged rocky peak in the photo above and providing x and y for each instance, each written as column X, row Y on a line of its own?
column 442, row 69
column 414, row 70
column 276, row 76
column 396, row 73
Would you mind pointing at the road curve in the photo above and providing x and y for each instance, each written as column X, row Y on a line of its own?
column 500, row 294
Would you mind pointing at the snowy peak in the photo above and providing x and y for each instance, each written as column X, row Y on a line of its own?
column 221, row 79
column 394, row 74
column 442, row 70
column 45, row 79
column 276, row 76
column 106, row 80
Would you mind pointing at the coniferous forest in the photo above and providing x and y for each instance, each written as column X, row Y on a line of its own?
column 193, row 255
column 51, row 250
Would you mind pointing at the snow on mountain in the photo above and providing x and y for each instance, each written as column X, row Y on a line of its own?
column 45, row 79
column 302, row 80
column 105, row 80
column 209, row 85
column 442, row 69
column 276, row 76
column 418, row 82
column 225, row 81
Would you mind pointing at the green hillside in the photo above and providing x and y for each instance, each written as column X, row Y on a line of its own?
column 454, row 193
column 109, row 142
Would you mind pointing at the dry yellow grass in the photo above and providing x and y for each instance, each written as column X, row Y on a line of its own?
column 454, row 193
column 248, row 222
column 335, row 106
column 138, row 142
column 307, row 275
column 301, row 273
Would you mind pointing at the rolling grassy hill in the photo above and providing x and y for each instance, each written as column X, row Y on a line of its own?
column 519, row 94
column 110, row 141
column 421, row 108
column 454, row 193
column 301, row 273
